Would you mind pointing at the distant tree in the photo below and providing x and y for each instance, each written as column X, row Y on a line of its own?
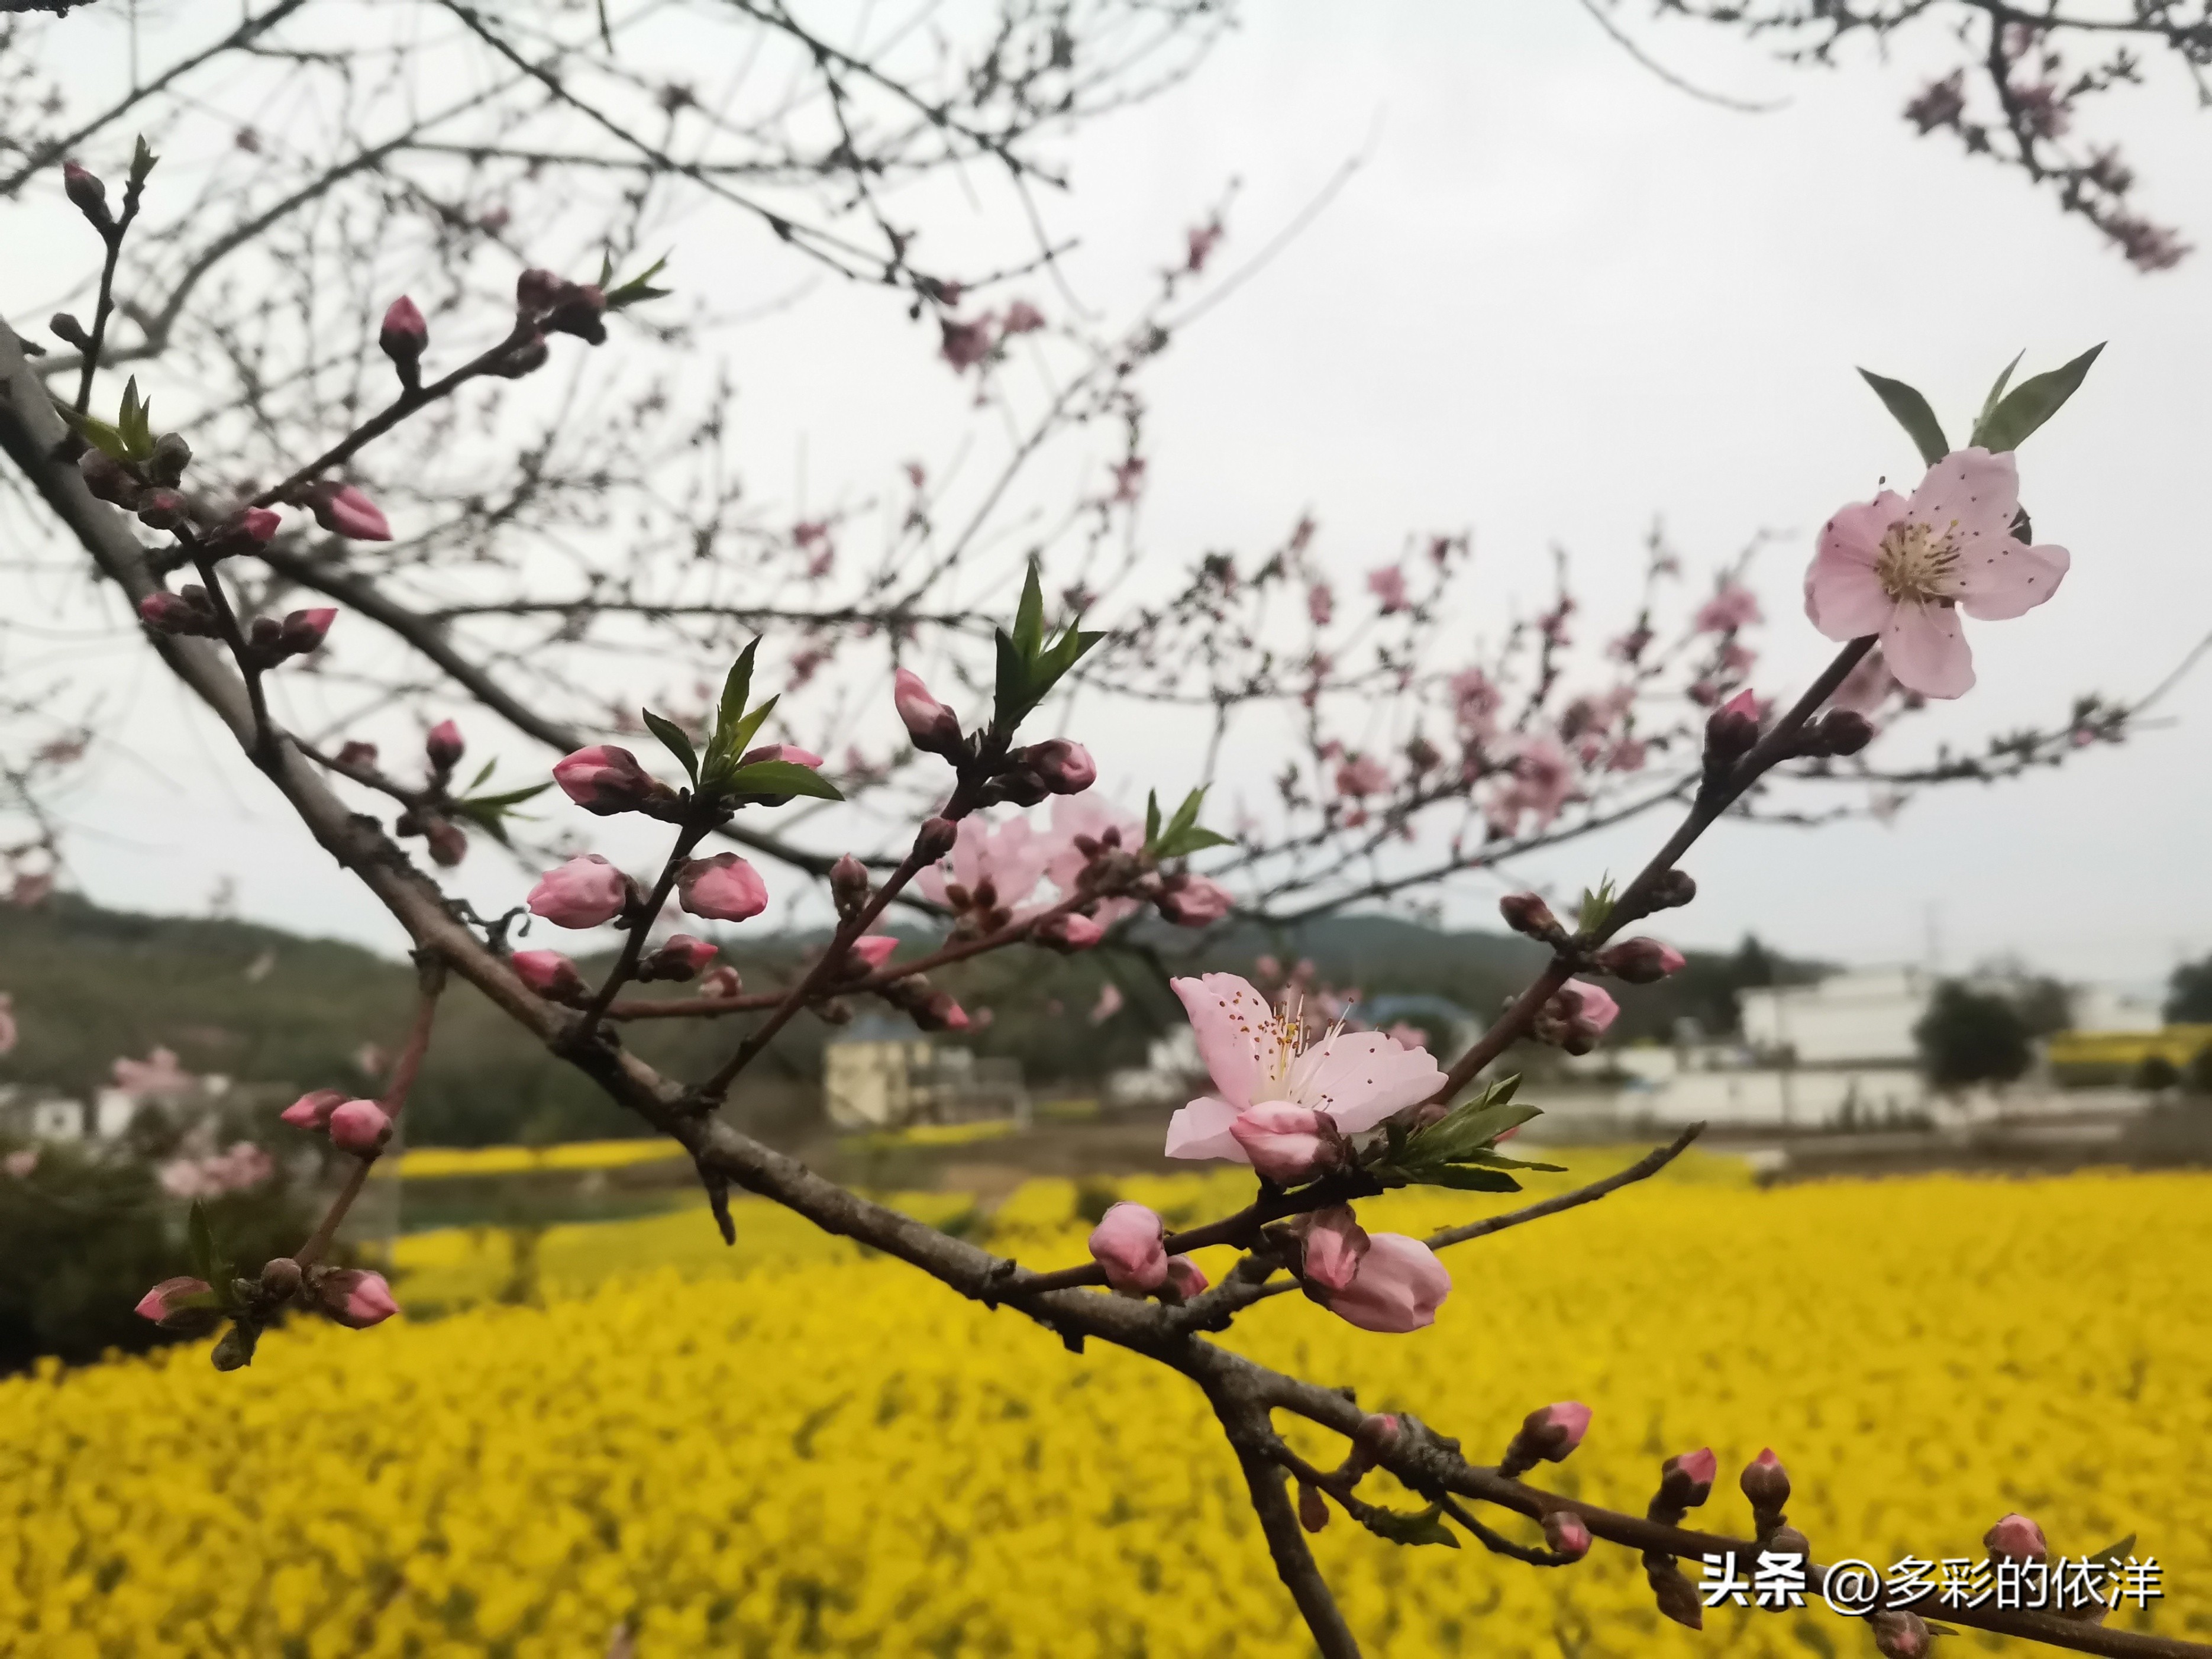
column 2198, row 1079
column 1969, row 1036
column 2189, row 993
column 2045, row 1003
column 2156, row 1074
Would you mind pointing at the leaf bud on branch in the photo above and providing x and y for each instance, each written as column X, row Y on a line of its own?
column 1525, row 913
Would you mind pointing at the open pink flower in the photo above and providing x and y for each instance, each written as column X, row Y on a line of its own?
column 1125, row 1242
column 1010, row 855
column 1398, row 1286
column 1089, row 818
column 1543, row 781
column 1388, row 585
column 1734, row 607
column 1905, row 569
column 1256, row 1057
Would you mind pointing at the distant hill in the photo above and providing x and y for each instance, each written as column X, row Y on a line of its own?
column 266, row 1007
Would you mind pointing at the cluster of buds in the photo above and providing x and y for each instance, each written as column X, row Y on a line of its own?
column 442, row 748
column 1685, row 1482
column 359, row 1126
column 351, row 1296
column 190, row 610
column 1129, row 1244
column 1577, row 1016
column 1027, row 775
column 1545, row 1436
column 922, row 1002
column 553, row 305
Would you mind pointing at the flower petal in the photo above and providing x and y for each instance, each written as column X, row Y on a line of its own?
column 2008, row 578
column 1236, row 1031
column 1928, row 652
column 1842, row 598
column 1360, row 1078
column 1202, row 1130
column 1971, row 495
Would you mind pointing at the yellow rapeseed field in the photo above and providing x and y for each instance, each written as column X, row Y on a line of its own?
column 824, row 1454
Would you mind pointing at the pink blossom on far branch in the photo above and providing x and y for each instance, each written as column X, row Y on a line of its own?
column 1194, row 902
column 1905, row 570
column 1125, row 1242
column 585, row 892
column 724, row 888
column 1733, row 607
column 313, row 1111
column 1388, row 585
column 1007, row 856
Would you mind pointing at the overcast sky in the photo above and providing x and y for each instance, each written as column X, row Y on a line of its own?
column 1560, row 297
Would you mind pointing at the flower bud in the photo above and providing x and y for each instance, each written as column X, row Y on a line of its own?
column 934, row 728
column 1687, row 1481
column 172, row 613
column 1900, row 1635
column 444, row 746
column 1677, row 1596
column 550, row 974
column 70, row 331
column 90, row 195
column 1313, row 1508
column 526, row 357
column 585, row 892
column 2015, row 1538
column 1331, row 1243
column 1564, row 1534
column 848, row 886
column 1640, row 961
column 1069, row 932
column 303, row 631
column 681, row 958
column 1593, row 1004
column 872, row 950
column 313, row 1111
column 1064, row 768
column 606, row 780
column 722, row 983
column 1548, row 1435
column 359, row 1126
column 580, row 309
column 1186, row 1279
column 934, row 839
column 280, row 1277
column 941, row 1013
column 166, row 1304
column 109, row 480
column 1525, row 913
column 1732, row 729
column 536, row 290
column 171, row 456
column 354, row 1298
column 403, row 338
column 354, row 753
column 1671, row 889
column 345, row 511
column 1841, row 732
column 1287, row 1144
column 724, row 888
column 1190, row 901
column 1766, row 1483
column 259, row 523
column 1126, row 1244
column 1374, row 1439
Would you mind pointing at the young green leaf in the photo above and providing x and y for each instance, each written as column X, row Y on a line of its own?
column 2031, row 403
column 143, row 160
column 638, row 289
column 1912, row 413
column 1151, row 818
column 478, row 782
column 1029, row 616
column 674, row 739
column 1989, row 402
column 736, row 690
column 1462, row 1178
column 730, row 746
column 780, row 779
column 108, row 440
column 1426, row 1526
column 1012, row 701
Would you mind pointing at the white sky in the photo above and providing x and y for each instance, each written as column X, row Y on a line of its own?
column 1560, row 296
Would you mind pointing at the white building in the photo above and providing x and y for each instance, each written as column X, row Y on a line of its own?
column 882, row 1073
column 1862, row 1017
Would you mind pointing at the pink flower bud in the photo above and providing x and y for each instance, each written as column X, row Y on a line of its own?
column 345, row 511
column 537, row 290
column 1595, row 1003
column 1194, row 902
column 303, row 631
column 1640, row 961
column 1399, row 1286
column 550, row 974
column 1766, row 1482
column 1565, row 1535
column 723, row 888
column 1125, row 1242
column 934, row 839
column 165, row 1303
column 404, row 335
column 1313, row 1508
column 354, row 753
column 356, row 1299
column 1733, row 728
column 1525, row 913
column 444, row 746
column 171, row 613
column 696, row 953
column 874, row 950
column 313, row 1111
column 606, row 780
column 1069, row 931
column 1186, row 1279
column 359, row 1126
column 261, row 523
column 162, row 509
column 2016, row 1538
column 87, row 191
column 790, row 753
column 1064, row 768
column 1900, row 1635
column 1554, row 1431
column 722, row 983
column 580, row 310
column 1286, row 1144
column 1687, row 1481
column 1334, row 1243
column 944, row 1014
column 584, row 892
column 934, row 728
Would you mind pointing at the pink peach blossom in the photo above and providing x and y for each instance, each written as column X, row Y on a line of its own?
column 261, row 523
column 1090, row 818
column 166, row 1301
column 356, row 1299
column 932, row 727
column 585, row 892
column 1593, row 1003
column 1320, row 603
column 1388, row 584
column 443, row 745
column 1334, row 1244
column 724, row 888
column 1285, row 1144
column 1565, row 1534
column 1398, row 1287
column 1363, row 775
column 1905, row 570
column 1734, row 607
column 1010, row 855
column 1125, row 1242
column 1194, row 902
column 1072, row 931
column 2016, row 1538
column 1258, row 1057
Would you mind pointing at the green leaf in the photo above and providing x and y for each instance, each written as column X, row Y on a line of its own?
column 1989, row 402
column 1461, row 1179
column 638, row 289
column 1486, row 1159
column 1029, row 617
column 2031, row 403
column 1014, row 699
column 199, row 1242
column 135, row 422
column 1596, row 906
column 2118, row 1552
column 1912, row 413
column 143, row 160
column 1193, row 840
column 1424, row 1526
column 512, row 798
column 777, row 777
column 478, row 781
column 673, row 739
column 1152, row 817
column 736, row 690
column 96, row 432
column 489, row 813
